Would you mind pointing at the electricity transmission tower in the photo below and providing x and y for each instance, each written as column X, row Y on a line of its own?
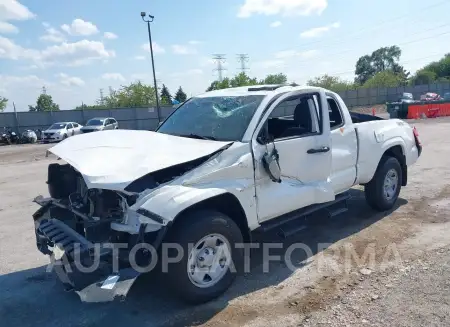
column 243, row 59
column 44, row 90
column 102, row 99
column 219, row 60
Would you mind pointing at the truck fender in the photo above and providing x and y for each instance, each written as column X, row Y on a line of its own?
column 171, row 200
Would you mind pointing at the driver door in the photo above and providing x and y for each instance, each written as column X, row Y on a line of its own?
column 298, row 124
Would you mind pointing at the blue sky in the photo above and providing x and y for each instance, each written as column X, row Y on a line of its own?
column 75, row 48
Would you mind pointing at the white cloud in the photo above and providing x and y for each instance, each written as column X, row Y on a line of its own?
column 275, row 24
column 12, row 10
column 70, row 80
column 8, row 28
column 319, row 31
column 283, row 7
column 80, row 27
column 156, row 48
column 110, row 36
column 70, row 54
column 139, row 57
column 10, row 50
column 113, row 77
column 183, row 50
column 294, row 53
column 52, row 34
column 77, row 53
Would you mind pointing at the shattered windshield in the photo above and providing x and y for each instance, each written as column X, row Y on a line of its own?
column 222, row 118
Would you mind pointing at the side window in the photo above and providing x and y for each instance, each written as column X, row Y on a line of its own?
column 69, row 126
column 107, row 122
column 294, row 117
column 75, row 125
column 335, row 114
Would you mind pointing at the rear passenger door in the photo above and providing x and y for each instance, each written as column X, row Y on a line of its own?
column 70, row 130
column 299, row 124
column 344, row 149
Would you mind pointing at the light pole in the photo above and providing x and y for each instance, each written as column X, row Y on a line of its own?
column 148, row 21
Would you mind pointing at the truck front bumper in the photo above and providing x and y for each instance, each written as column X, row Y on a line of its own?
column 95, row 273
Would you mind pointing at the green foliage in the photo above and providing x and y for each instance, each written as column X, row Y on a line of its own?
column 135, row 94
column 437, row 71
column 242, row 79
column 424, row 77
column 180, row 96
column 166, row 97
column 44, row 103
column 383, row 59
column 384, row 79
column 275, row 79
column 3, row 103
column 332, row 83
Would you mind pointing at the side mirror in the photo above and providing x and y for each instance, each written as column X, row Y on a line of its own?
column 272, row 166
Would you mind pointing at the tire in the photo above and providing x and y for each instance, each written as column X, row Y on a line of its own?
column 375, row 193
column 64, row 137
column 190, row 230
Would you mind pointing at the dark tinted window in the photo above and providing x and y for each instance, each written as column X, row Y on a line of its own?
column 95, row 122
column 224, row 118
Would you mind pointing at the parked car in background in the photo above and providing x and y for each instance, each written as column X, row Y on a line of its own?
column 406, row 98
column 60, row 131
column 430, row 97
column 447, row 96
column 100, row 124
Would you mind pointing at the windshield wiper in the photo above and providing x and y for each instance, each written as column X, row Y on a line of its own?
column 196, row 136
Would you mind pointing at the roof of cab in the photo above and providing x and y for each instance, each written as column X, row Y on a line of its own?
column 256, row 90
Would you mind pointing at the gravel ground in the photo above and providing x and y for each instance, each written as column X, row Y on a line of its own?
column 365, row 269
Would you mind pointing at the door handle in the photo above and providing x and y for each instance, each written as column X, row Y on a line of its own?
column 319, row 150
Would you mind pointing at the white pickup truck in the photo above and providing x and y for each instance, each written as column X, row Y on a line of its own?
column 223, row 165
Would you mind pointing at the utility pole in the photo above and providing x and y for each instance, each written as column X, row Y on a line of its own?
column 148, row 21
column 219, row 60
column 243, row 59
column 102, row 99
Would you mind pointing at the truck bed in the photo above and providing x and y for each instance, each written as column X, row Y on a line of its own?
column 361, row 118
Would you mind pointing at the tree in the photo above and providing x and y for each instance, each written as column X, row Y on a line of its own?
column 275, row 79
column 380, row 60
column 433, row 72
column 166, row 97
column 3, row 103
column 424, row 76
column 219, row 85
column 242, row 79
column 332, row 83
column 384, row 79
column 44, row 103
column 180, row 96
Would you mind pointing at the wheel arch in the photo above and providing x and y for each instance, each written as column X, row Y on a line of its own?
column 226, row 203
column 398, row 153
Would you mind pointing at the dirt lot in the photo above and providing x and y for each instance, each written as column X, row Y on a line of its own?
column 406, row 284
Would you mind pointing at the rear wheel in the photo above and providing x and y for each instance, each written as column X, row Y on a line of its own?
column 210, row 258
column 383, row 190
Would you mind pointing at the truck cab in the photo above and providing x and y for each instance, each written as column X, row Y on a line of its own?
column 224, row 165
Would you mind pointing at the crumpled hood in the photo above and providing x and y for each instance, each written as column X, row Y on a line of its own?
column 113, row 159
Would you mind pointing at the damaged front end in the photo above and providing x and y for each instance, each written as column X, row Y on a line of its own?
column 98, row 246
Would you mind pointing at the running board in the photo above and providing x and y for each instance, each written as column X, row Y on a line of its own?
column 290, row 223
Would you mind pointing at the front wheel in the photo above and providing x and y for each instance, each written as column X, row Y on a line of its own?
column 383, row 190
column 210, row 260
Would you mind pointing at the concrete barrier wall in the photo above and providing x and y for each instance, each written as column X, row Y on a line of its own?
column 147, row 118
